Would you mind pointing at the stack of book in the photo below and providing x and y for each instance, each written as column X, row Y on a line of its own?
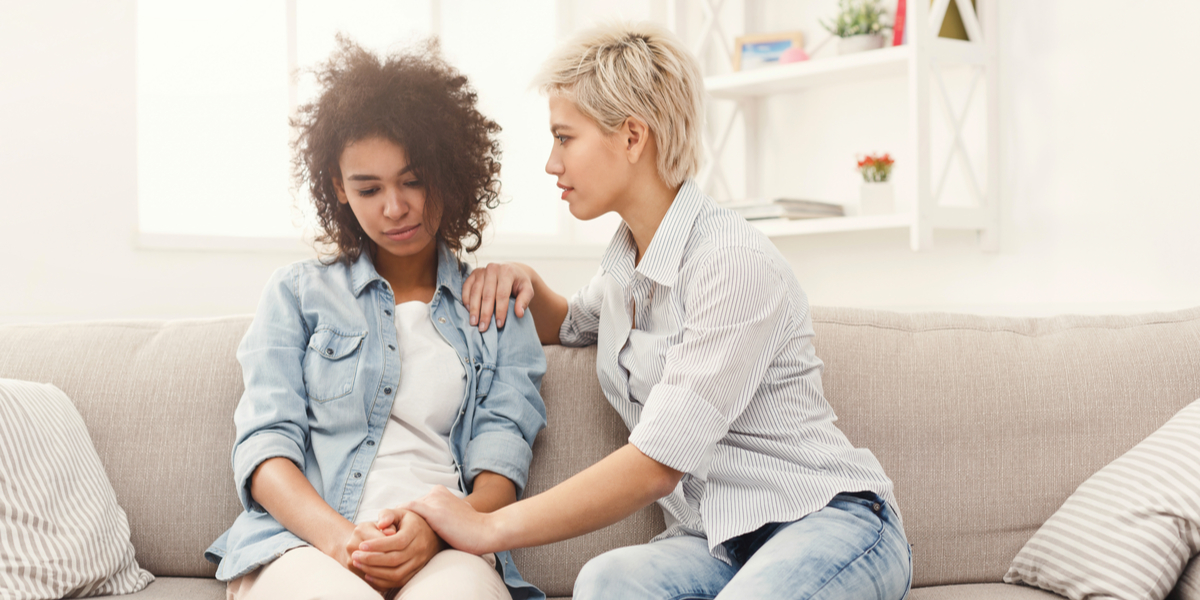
column 786, row 208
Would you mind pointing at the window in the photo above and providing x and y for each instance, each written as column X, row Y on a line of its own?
column 214, row 95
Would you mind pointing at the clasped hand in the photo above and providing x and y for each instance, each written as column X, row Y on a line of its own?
column 457, row 522
column 390, row 551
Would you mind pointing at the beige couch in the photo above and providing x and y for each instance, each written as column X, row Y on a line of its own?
column 985, row 424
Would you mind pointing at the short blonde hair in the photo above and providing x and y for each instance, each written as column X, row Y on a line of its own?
column 638, row 70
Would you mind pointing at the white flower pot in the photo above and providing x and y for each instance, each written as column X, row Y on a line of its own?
column 876, row 198
column 858, row 43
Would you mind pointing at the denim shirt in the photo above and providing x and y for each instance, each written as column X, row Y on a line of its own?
column 321, row 369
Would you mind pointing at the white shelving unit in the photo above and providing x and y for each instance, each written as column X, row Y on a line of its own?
column 922, row 60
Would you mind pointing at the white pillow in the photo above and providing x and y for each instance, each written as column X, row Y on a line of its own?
column 62, row 533
column 1130, row 529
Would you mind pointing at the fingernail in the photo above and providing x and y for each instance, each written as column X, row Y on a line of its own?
column 474, row 320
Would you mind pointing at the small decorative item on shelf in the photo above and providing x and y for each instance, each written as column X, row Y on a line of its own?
column 859, row 24
column 764, row 49
column 876, row 197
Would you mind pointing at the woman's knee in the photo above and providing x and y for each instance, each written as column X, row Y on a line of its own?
column 455, row 575
column 605, row 576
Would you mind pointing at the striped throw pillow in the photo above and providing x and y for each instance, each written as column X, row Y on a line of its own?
column 1130, row 529
column 62, row 533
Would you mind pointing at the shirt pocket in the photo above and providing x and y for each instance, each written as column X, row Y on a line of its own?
column 331, row 364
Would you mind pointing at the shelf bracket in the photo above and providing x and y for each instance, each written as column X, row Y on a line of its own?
column 956, row 122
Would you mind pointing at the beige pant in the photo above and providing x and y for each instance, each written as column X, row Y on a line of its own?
column 306, row 573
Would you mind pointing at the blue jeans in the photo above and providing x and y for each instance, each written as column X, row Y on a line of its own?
column 853, row 549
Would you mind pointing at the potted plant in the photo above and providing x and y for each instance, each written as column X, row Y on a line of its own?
column 876, row 196
column 859, row 24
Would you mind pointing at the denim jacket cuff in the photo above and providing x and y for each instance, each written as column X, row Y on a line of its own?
column 254, row 451
column 501, row 453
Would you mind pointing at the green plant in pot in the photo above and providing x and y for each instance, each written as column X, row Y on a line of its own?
column 860, row 25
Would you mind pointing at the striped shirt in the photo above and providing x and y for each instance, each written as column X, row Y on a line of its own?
column 705, row 350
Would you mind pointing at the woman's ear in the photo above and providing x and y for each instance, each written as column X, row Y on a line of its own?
column 339, row 188
column 636, row 135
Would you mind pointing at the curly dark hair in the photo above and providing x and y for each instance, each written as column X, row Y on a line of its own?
column 419, row 102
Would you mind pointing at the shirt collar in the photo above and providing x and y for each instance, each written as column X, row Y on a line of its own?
column 449, row 271
column 662, row 259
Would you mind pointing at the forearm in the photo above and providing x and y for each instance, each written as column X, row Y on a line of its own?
column 280, row 487
column 608, row 491
column 490, row 492
column 549, row 308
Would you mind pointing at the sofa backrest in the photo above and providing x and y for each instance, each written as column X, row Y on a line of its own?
column 985, row 424
column 158, row 399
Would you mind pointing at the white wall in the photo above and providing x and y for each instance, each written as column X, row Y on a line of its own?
column 1102, row 208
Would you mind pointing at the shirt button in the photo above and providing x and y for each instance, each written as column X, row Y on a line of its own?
column 370, row 442
column 357, row 475
column 441, row 319
column 387, row 312
column 391, row 347
column 875, row 507
column 329, row 351
column 387, row 390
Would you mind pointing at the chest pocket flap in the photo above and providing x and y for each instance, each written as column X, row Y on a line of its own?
column 331, row 364
column 332, row 345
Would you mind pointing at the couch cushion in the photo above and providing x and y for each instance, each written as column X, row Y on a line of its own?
column 180, row 588
column 158, row 399
column 987, row 424
column 981, row 591
column 62, row 533
column 1130, row 529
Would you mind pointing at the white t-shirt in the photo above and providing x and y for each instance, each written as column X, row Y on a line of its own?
column 414, row 452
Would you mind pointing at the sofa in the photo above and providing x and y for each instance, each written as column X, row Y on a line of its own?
column 986, row 425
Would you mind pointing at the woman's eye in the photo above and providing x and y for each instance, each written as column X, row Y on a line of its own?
column 416, row 183
column 562, row 139
column 368, row 192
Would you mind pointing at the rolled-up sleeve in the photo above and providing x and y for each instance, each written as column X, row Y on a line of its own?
column 509, row 417
column 582, row 324
column 735, row 318
column 271, row 417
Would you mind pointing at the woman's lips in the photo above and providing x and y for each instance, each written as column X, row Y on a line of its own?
column 400, row 234
column 566, row 190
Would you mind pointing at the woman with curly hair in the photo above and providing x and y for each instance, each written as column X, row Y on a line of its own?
column 364, row 379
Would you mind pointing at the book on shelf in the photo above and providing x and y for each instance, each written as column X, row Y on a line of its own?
column 786, row 208
column 898, row 23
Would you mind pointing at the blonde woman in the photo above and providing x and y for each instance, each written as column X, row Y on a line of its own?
column 704, row 348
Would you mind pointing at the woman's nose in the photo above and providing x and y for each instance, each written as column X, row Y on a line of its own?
column 554, row 164
column 394, row 207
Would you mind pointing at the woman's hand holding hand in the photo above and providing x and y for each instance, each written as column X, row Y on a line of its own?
column 361, row 533
column 391, row 560
column 486, row 292
column 457, row 522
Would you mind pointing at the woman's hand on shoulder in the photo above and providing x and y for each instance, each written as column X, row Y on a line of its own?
column 390, row 560
column 487, row 290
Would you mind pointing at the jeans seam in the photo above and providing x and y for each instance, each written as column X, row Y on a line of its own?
column 875, row 544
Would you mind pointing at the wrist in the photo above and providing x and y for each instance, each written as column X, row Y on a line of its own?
column 334, row 539
column 499, row 531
